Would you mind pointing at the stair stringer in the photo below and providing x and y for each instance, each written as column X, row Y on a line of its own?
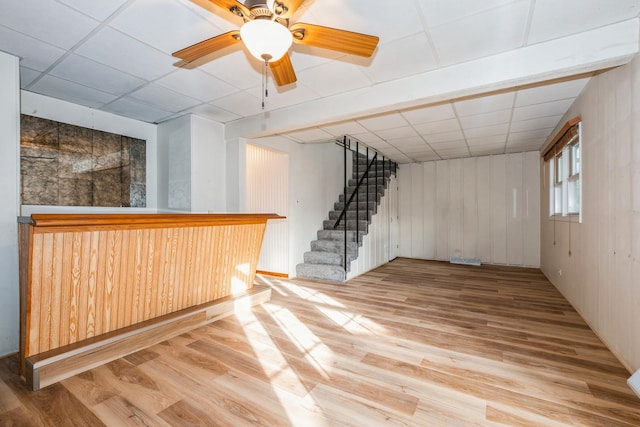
column 374, row 250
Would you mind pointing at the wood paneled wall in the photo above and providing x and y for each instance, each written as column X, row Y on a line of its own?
column 88, row 275
column 484, row 207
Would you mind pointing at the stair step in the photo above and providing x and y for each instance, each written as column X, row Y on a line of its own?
column 332, row 273
column 372, row 181
column 362, row 197
column 337, row 234
column 361, row 206
column 334, row 246
column 362, row 214
column 319, row 257
column 328, row 224
column 372, row 173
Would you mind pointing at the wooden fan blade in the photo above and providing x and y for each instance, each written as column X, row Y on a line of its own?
column 291, row 5
column 232, row 6
column 282, row 71
column 198, row 50
column 334, row 39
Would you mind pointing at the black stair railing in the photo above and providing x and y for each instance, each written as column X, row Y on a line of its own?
column 346, row 144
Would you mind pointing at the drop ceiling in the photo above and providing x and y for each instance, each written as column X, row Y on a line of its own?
column 115, row 56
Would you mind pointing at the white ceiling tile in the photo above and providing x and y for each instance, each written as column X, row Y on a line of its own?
column 164, row 98
column 441, row 126
column 368, row 19
column 33, row 53
column 429, row 157
column 368, row 138
column 488, row 119
column 196, row 84
column 237, row 69
column 344, row 128
column 285, row 96
column 438, row 12
column 385, row 121
column 485, row 104
column 487, row 33
column 172, row 28
column 243, row 104
column 416, row 149
column 334, row 77
column 214, row 113
column 72, row 92
column 444, row 137
column 400, row 58
column 96, row 9
column 112, row 48
column 429, row 114
column 303, row 56
column 137, row 110
column 460, row 144
column 27, row 76
column 557, row 91
column 550, row 21
column 48, row 21
column 488, row 140
column 89, row 73
column 487, row 131
column 311, row 135
column 395, row 133
column 486, row 151
column 407, row 142
column 533, row 124
column 530, row 134
column 531, row 145
column 542, row 110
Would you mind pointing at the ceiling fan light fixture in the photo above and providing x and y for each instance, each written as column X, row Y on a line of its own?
column 267, row 40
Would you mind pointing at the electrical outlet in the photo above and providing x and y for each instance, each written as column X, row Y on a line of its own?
column 559, row 272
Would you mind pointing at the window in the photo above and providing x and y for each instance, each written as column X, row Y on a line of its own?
column 564, row 156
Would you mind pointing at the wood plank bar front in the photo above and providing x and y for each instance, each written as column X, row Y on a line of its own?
column 85, row 279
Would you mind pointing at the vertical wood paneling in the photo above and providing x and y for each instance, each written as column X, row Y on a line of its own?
column 417, row 219
column 515, row 208
column 89, row 283
column 469, row 208
column 485, row 208
column 429, row 210
column 499, row 215
column 442, row 209
column 405, row 186
column 267, row 191
column 476, row 208
column 531, row 182
column 456, row 208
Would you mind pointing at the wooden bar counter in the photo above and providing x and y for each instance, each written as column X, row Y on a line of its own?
column 95, row 287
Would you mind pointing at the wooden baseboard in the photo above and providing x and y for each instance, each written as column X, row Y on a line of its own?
column 272, row 273
column 47, row 368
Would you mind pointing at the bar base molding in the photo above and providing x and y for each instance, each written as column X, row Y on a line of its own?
column 50, row 367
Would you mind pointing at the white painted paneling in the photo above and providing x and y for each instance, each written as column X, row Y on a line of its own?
column 429, row 210
column 485, row 208
column 531, row 219
column 9, row 190
column 267, row 191
column 417, row 248
column 477, row 207
column 514, row 205
column 499, row 213
column 470, row 208
column 404, row 210
column 600, row 278
column 456, row 208
column 208, row 193
column 442, row 209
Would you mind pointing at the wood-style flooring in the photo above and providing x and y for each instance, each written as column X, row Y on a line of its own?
column 414, row 343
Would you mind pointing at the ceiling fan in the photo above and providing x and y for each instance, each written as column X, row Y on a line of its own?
column 267, row 34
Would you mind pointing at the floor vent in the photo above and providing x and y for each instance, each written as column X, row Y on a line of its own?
column 466, row 261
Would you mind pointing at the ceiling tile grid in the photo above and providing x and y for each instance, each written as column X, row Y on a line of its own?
column 115, row 55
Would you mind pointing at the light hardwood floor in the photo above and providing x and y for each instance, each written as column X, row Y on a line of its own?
column 414, row 343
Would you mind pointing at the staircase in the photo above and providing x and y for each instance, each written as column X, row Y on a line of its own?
column 325, row 261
